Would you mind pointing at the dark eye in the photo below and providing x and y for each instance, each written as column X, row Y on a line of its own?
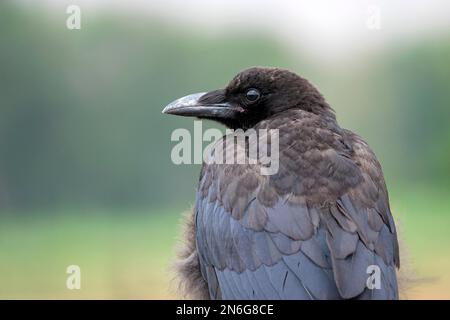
column 252, row 95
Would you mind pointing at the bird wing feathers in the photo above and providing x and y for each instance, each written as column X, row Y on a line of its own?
column 300, row 234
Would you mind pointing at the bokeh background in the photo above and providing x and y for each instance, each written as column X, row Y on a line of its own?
column 85, row 170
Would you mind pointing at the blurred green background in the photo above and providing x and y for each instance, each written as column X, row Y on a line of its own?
column 85, row 170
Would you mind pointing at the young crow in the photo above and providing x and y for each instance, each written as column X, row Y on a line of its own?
column 319, row 228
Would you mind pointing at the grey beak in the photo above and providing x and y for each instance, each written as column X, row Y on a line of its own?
column 191, row 106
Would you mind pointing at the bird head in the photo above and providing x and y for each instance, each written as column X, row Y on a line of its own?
column 253, row 95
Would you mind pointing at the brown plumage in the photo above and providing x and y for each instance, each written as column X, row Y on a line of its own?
column 309, row 231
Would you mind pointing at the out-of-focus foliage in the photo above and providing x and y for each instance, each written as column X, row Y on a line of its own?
column 80, row 120
column 85, row 152
column 80, row 115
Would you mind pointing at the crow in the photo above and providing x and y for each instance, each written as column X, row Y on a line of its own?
column 319, row 228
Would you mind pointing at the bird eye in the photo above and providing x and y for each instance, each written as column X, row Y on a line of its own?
column 252, row 95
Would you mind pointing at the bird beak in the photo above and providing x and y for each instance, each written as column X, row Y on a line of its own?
column 202, row 105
